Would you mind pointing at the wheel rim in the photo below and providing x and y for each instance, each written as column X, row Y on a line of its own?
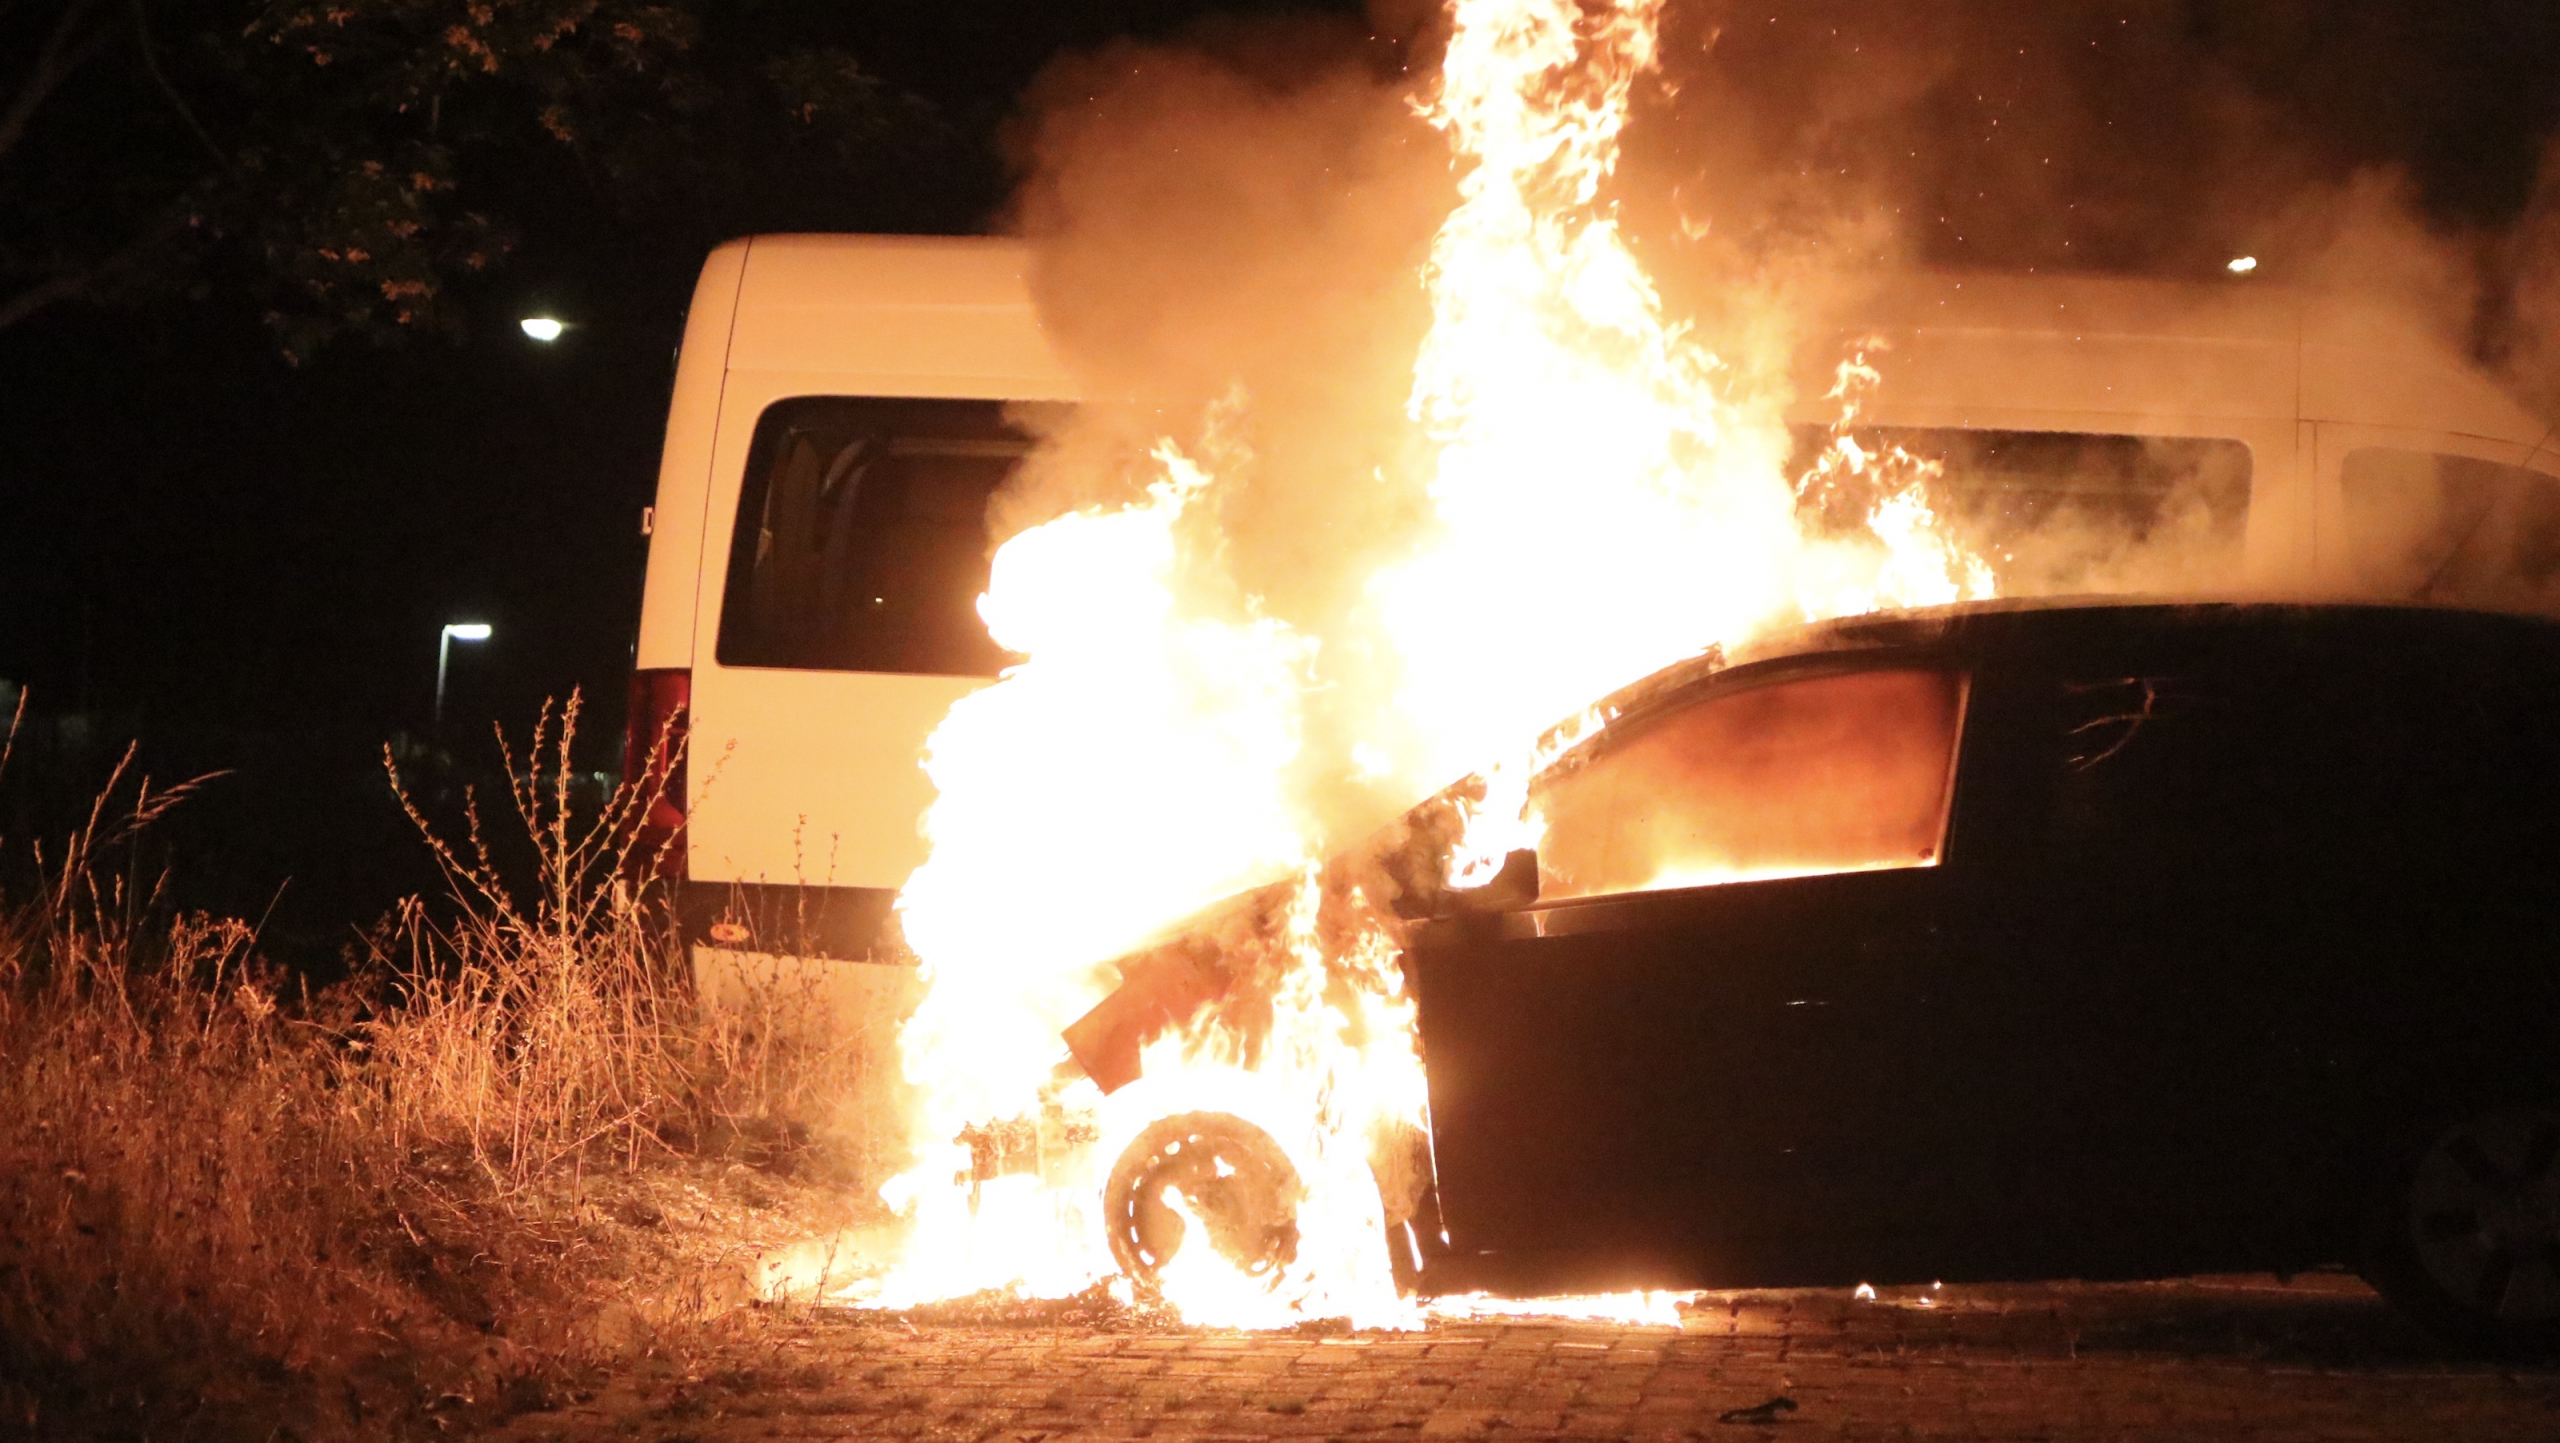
column 1228, row 1174
column 2484, row 1216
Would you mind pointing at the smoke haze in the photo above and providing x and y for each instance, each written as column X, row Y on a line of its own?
column 1231, row 233
column 1229, row 242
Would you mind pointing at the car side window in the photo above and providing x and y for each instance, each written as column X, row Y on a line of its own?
column 2422, row 526
column 861, row 540
column 1849, row 771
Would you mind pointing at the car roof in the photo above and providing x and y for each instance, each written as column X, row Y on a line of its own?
column 1989, row 628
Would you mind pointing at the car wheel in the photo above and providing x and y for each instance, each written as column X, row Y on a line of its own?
column 2469, row 1236
column 1228, row 1175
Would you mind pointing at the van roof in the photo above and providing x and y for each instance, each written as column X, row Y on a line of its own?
column 954, row 315
column 1988, row 345
column 916, row 315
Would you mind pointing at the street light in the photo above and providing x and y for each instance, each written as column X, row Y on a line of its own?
column 545, row 329
column 454, row 631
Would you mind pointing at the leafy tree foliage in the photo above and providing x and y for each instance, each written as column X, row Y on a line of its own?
column 352, row 163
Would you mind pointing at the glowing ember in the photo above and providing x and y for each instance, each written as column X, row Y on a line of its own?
column 1645, row 1309
column 1598, row 509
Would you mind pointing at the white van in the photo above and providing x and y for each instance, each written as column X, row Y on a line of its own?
column 840, row 420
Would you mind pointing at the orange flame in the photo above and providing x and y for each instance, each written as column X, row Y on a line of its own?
column 1600, row 508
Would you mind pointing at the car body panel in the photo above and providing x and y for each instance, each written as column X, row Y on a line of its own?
column 2235, row 899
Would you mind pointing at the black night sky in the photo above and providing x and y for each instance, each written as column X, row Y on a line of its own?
column 234, row 537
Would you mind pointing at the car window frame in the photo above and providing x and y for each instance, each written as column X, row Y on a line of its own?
column 1624, row 725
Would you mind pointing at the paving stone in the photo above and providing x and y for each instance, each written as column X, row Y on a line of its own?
column 2247, row 1360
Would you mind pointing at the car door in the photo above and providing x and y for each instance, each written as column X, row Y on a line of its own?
column 1660, row 1075
column 2135, row 908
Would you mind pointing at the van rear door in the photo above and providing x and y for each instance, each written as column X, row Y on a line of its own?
column 845, row 627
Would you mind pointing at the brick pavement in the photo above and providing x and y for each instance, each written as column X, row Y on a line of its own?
column 2202, row 1358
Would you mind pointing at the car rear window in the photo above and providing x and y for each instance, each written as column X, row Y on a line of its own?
column 2424, row 526
column 1843, row 772
column 861, row 542
column 2071, row 511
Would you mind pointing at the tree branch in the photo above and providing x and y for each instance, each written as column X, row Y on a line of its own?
column 87, row 280
column 66, row 46
column 151, row 63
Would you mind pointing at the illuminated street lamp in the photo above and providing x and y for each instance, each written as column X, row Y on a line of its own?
column 2239, row 266
column 545, row 329
column 454, row 631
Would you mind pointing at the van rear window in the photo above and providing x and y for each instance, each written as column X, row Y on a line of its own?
column 2421, row 526
column 861, row 542
column 2069, row 511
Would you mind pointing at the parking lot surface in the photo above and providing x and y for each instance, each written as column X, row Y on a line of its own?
column 2239, row 1358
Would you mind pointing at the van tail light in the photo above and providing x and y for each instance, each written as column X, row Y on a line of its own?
column 653, row 747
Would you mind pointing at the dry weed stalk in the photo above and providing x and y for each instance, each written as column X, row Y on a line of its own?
column 537, row 1020
column 550, row 1021
column 223, row 1203
column 189, row 1199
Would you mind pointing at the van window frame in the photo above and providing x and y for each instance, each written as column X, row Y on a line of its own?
column 728, row 582
column 2125, row 440
column 2333, row 441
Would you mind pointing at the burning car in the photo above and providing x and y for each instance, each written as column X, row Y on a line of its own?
column 2000, row 941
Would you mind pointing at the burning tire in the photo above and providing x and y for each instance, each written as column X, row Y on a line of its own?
column 1225, row 1174
column 2469, row 1238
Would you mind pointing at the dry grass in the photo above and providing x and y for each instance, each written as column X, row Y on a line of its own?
column 512, row 1145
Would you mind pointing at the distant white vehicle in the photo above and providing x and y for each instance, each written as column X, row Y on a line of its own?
column 840, row 419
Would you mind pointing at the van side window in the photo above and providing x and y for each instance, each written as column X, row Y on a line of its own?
column 1844, row 772
column 2423, row 526
column 861, row 542
column 2062, row 511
